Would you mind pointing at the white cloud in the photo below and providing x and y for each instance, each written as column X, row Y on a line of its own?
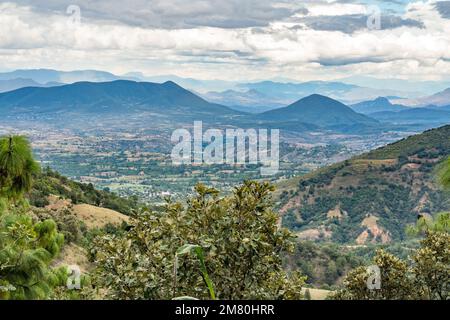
column 43, row 38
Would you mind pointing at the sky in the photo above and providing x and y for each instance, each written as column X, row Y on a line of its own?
column 230, row 39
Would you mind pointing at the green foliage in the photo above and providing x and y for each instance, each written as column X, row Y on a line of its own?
column 323, row 263
column 26, row 251
column 67, row 222
column 441, row 223
column 239, row 237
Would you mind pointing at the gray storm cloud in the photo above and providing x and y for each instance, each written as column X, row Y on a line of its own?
column 174, row 14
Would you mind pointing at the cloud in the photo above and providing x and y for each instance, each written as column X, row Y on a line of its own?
column 444, row 8
column 176, row 14
column 222, row 39
column 355, row 22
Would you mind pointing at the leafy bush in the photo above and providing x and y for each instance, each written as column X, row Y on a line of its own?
column 238, row 234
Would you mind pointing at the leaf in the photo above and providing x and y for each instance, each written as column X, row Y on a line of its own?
column 187, row 248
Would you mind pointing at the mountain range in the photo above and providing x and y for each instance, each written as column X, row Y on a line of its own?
column 121, row 97
column 290, row 92
column 43, row 76
column 273, row 93
column 169, row 100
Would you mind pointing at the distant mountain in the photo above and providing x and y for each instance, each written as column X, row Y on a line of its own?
column 444, row 108
column 318, row 110
column 44, row 76
column 198, row 85
column 249, row 101
column 370, row 198
column 290, row 92
column 378, row 105
column 117, row 97
column 439, row 99
column 414, row 115
column 13, row 84
column 411, row 88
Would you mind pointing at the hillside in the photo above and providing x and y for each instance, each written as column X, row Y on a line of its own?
column 318, row 110
column 370, row 198
column 50, row 183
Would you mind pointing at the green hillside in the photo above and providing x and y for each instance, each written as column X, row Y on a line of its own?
column 49, row 183
column 370, row 198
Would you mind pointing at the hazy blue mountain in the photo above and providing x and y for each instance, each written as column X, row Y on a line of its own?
column 117, row 97
column 201, row 86
column 248, row 101
column 439, row 99
column 445, row 108
column 378, row 105
column 319, row 110
column 414, row 115
column 13, row 84
column 44, row 76
column 411, row 88
column 291, row 92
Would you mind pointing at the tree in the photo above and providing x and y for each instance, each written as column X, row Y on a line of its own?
column 432, row 265
column 26, row 248
column 17, row 166
column 238, row 234
column 395, row 281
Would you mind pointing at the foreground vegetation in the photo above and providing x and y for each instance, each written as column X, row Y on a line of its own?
column 26, row 248
column 211, row 247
